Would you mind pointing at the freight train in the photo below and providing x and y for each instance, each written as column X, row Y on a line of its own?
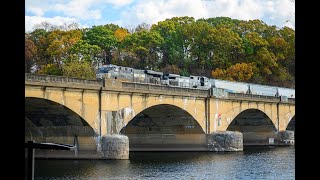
column 111, row 71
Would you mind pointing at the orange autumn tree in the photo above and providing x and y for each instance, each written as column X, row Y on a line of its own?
column 30, row 52
column 60, row 43
column 219, row 74
column 121, row 34
column 238, row 72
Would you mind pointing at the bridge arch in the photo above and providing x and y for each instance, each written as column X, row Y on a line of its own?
column 255, row 125
column 49, row 121
column 84, row 103
column 165, row 126
column 292, row 124
column 287, row 116
column 163, row 119
column 252, row 120
column 130, row 106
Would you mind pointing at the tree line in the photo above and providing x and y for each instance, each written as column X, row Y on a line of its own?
column 221, row 47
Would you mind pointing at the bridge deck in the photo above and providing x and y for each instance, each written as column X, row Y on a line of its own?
column 130, row 87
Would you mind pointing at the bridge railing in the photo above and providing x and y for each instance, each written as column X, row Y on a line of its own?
column 161, row 88
column 153, row 87
column 253, row 96
column 291, row 100
column 63, row 79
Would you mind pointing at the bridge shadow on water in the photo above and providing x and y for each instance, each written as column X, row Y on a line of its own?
column 174, row 156
column 255, row 162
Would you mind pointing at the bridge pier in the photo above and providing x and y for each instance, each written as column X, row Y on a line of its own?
column 225, row 141
column 268, row 138
column 113, row 147
column 286, row 137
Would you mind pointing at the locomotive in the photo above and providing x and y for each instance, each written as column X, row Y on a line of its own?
column 111, row 71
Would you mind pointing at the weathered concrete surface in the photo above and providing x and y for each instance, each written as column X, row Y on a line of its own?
column 264, row 138
column 286, row 138
column 114, row 147
column 225, row 141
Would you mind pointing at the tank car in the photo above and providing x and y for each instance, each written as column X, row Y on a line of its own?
column 230, row 86
column 263, row 90
column 290, row 93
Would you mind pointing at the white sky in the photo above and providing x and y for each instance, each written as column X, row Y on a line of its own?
column 129, row 13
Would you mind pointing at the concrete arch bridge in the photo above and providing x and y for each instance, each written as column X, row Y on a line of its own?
column 153, row 117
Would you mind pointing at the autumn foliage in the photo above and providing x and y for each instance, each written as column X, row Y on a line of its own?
column 221, row 47
column 238, row 72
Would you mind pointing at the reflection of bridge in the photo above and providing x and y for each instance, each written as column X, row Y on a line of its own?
column 153, row 117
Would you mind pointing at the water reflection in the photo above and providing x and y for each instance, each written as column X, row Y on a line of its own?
column 253, row 163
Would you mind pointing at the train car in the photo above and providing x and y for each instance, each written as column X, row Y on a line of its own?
column 290, row 93
column 125, row 73
column 200, row 82
column 104, row 72
column 184, row 82
column 193, row 82
column 115, row 72
column 172, row 79
column 204, row 83
column 196, row 82
column 153, row 77
column 230, row 86
column 139, row 76
column 263, row 90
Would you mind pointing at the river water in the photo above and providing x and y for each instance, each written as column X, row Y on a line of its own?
column 253, row 163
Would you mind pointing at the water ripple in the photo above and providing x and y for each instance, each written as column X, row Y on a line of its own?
column 262, row 163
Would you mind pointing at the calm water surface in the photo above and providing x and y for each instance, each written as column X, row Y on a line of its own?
column 253, row 163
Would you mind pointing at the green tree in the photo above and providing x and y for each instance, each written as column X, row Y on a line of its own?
column 222, row 22
column 50, row 69
column 104, row 38
column 288, row 35
column 112, row 27
column 265, row 62
column 83, row 51
column 76, row 69
column 173, row 49
column 199, row 40
column 145, row 44
column 39, row 38
column 227, row 48
column 212, row 47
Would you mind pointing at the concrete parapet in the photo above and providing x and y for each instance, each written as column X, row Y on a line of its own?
column 225, row 141
column 286, row 137
column 114, row 147
column 113, row 83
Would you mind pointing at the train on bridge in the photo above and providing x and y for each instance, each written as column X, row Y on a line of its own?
column 111, row 71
